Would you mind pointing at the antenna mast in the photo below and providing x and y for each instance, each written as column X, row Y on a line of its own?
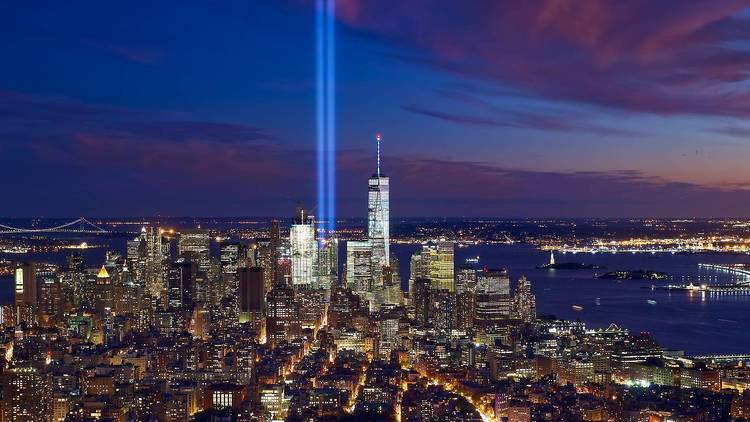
column 377, row 138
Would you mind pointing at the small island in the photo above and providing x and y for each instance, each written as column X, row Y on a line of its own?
column 634, row 275
column 552, row 265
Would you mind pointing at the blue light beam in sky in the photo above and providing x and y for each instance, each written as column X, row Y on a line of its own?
column 325, row 76
column 331, row 112
column 320, row 106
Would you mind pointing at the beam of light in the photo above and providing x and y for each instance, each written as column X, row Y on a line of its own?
column 325, row 69
column 320, row 106
column 331, row 110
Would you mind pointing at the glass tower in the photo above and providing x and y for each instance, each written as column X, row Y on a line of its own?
column 304, row 251
column 378, row 221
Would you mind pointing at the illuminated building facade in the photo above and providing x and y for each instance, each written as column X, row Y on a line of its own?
column 378, row 220
column 359, row 275
column 26, row 293
column 181, row 283
column 25, row 394
column 194, row 245
column 326, row 268
column 493, row 297
column 303, row 250
column 282, row 318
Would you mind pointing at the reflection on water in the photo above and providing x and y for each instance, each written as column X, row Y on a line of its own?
column 694, row 322
column 699, row 323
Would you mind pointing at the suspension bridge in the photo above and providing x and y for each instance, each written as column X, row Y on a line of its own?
column 81, row 225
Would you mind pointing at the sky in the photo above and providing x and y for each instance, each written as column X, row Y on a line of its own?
column 549, row 108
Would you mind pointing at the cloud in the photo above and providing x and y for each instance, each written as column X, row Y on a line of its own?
column 145, row 55
column 665, row 58
column 485, row 114
column 142, row 55
column 103, row 161
column 735, row 131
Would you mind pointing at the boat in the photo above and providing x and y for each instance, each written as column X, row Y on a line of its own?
column 577, row 307
column 651, row 302
column 598, row 301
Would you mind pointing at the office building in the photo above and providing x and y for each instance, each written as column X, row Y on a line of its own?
column 378, row 220
column 493, row 299
column 252, row 295
column 303, row 250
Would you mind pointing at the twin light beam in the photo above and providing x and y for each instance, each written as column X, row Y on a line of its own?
column 325, row 71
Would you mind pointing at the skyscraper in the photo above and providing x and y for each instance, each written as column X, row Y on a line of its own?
column 493, row 299
column 195, row 246
column 103, row 298
column 378, row 220
column 154, row 272
column 26, row 293
column 282, row 317
column 304, row 250
column 181, row 283
column 436, row 262
column 326, row 269
column 524, row 301
column 252, row 295
column 359, row 266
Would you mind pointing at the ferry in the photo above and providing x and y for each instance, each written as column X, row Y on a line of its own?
column 577, row 308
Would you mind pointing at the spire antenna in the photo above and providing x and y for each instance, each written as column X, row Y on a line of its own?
column 377, row 138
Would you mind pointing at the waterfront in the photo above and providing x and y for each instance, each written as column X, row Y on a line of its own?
column 707, row 324
column 697, row 324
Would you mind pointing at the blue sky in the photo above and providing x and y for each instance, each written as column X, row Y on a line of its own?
column 556, row 108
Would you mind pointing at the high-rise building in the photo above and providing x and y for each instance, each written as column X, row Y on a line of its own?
column 436, row 262
column 51, row 300
column 267, row 258
column 388, row 330
column 378, row 220
column 327, row 263
column 26, row 395
column 466, row 285
column 195, row 245
column 359, row 267
column 493, row 299
column 103, row 297
column 420, row 297
column 232, row 256
column 275, row 245
column 344, row 306
column 282, row 322
column 153, row 262
column 304, row 250
column 252, row 295
column 441, row 264
column 181, row 283
column 524, row 301
column 26, row 293
column 443, row 312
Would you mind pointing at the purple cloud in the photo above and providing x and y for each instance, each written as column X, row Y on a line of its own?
column 115, row 161
column 668, row 57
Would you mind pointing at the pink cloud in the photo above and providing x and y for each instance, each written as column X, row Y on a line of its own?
column 667, row 57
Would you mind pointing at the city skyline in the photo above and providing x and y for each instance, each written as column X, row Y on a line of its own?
column 157, row 110
column 375, row 210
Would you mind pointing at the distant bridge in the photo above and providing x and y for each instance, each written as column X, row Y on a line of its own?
column 723, row 358
column 81, row 225
column 737, row 269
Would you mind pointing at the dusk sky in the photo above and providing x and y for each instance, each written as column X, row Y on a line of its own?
column 566, row 108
